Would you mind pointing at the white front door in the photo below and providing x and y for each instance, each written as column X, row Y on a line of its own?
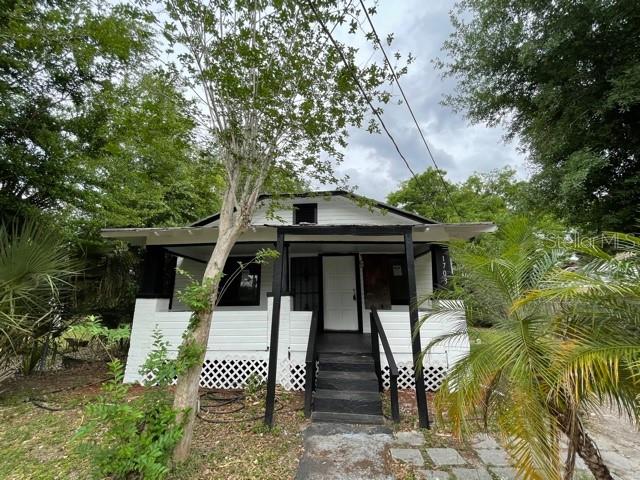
column 339, row 293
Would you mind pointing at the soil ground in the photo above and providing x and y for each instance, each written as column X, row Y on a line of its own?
column 39, row 416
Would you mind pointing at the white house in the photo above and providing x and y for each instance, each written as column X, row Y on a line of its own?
column 341, row 257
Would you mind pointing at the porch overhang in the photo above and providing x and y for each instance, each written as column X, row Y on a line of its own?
column 172, row 236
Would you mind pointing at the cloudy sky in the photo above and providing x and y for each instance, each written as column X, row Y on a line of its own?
column 420, row 27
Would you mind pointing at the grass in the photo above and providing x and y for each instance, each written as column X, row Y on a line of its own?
column 39, row 444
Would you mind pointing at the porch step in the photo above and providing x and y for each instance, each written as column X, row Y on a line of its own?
column 355, row 418
column 340, row 401
column 346, row 363
column 364, row 381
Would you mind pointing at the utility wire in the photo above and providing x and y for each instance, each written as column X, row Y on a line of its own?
column 375, row 111
column 350, row 68
column 406, row 101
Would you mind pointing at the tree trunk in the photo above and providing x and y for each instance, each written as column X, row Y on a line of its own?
column 589, row 452
column 186, row 393
column 585, row 447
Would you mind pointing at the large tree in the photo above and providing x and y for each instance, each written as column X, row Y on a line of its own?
column 53, row 57
column 94, row 134
column 277, row 95
column 493, row 196
column 564, row 77
column 90, row 131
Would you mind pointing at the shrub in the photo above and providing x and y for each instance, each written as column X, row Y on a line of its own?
column 133, row 437
column 92, row 333
column 36, row 274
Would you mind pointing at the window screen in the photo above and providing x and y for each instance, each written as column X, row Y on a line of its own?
column 240, row 287
column 305, row 213
column 305, row 283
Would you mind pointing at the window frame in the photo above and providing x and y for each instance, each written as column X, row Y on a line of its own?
column 297, row 207
column 230, row 266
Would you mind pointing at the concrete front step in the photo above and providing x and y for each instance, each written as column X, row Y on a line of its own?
column 355, row 418
column 347, row 402
column 363, row 381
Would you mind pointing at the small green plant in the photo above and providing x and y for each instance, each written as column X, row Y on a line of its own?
column 254, row 385
column 261, row 429
column 129, row 438
column 92, row 333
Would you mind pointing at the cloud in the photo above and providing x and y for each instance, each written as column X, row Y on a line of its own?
column 371, row 160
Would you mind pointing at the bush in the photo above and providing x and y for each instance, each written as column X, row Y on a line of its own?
column 133, row 438
column 36, row 274
column 92, row 334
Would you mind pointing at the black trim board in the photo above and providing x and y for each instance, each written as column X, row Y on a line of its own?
column 355, row 230
column 182, row 255
column 356, row 259
column 299, row 242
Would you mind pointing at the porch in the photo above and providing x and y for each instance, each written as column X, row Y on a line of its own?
column 336, row 309
column 339, row 272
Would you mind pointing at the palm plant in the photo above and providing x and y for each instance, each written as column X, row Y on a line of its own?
column 564, row 341
column 35, row 272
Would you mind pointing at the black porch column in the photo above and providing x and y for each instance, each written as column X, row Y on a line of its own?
column 275, row 331
column 421, row 395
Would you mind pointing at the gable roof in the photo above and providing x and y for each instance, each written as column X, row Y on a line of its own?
column 333, row 193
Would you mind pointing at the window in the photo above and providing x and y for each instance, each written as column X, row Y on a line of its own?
column 305, row 213
column 398, row 281
column 305, row 283
column 240, row 287
column 385, row 281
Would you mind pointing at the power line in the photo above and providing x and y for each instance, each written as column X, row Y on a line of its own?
column 406, row 101
column 369, row 102
column 360, row 87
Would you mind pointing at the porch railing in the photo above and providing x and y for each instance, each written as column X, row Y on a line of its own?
column 310, row 361
column 377, row 331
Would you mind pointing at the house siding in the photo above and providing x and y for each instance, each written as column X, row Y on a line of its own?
column 239, row 344
column 195, row 269
column 334, row 210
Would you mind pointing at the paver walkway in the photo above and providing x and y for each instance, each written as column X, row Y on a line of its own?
column 450, row 463
column 345, row 452
column 349, row 452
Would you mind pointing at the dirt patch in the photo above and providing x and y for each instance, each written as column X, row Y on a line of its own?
column 38, row 443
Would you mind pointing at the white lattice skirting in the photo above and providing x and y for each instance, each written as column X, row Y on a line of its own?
column 234, row 372
column 433, row 376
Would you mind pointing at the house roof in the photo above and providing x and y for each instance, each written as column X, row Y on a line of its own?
column 351, row 228
column 438, row 233
column 333, row 193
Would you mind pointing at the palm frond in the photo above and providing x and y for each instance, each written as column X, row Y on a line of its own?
column 564, row 340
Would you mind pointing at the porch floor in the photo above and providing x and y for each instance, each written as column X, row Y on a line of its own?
column 352, row 343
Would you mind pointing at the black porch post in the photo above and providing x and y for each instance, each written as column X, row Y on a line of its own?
column 275, row 330
column 421, row 395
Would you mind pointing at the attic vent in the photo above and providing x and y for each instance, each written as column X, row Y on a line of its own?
column 305, row 213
